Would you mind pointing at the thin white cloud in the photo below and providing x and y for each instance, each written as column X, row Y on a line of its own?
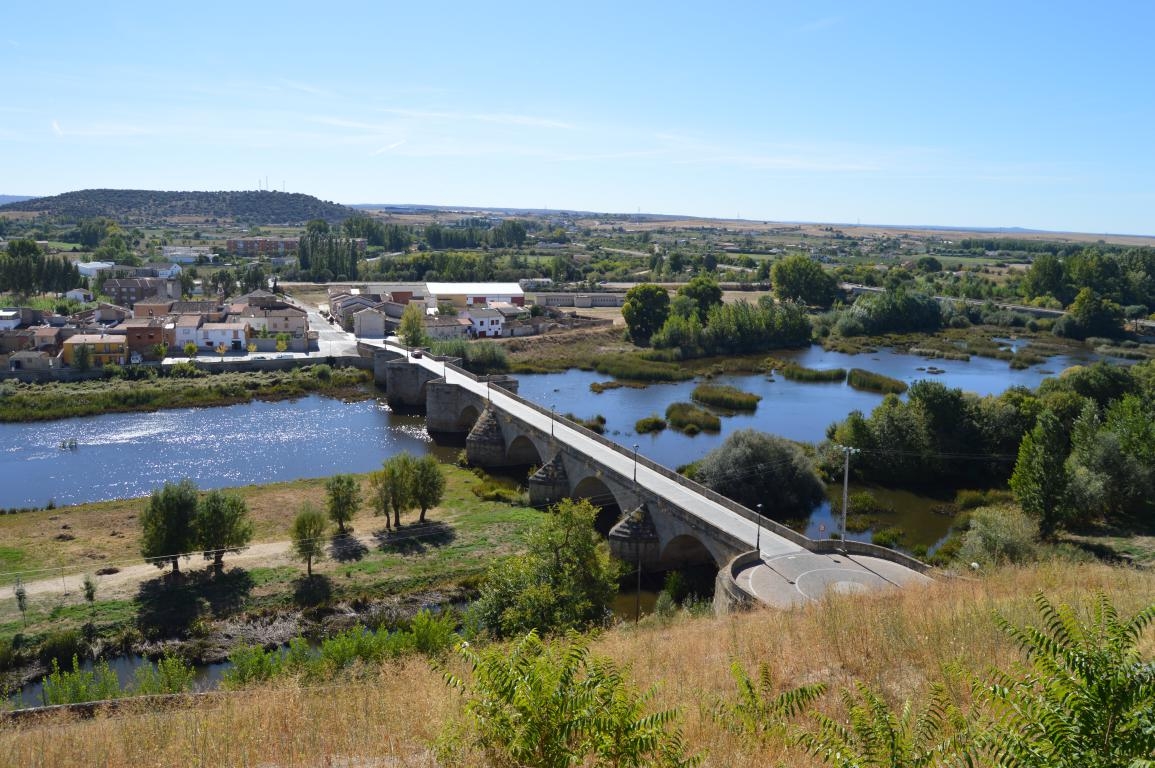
column 387, row 148
column 56, row 128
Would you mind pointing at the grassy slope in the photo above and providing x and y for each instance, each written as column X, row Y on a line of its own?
column 896, row 643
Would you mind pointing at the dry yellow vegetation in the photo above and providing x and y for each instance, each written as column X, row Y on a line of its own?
column 897, row 643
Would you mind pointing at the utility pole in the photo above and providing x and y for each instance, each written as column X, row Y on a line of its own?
column 846, row 451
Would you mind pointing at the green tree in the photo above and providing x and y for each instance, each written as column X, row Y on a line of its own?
column 190, row 350
column 1039, row 481
column 428, row 484
column 82, row 359
column 317, row 227
column 1087, row 699
column 222, row 525
column 704, row 292
column 1045, row 277
column 166, row 524
column 160, row 351
column 344, row 498
column 754, row 468
column 282, row 342
column 543, row 707
column 21, row 593
column 308, row 536
column 566, row 579
column 645, row 310
column 393, row 486
column 411, row 329
column 800, row 278
column 1095, row 315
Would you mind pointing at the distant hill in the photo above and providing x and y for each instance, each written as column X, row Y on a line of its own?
column 5, row 199
column 141, row 206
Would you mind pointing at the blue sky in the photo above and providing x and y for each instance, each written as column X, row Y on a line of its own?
column 1027, row 114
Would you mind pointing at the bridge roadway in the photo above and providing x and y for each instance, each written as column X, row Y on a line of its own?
column 787, row 574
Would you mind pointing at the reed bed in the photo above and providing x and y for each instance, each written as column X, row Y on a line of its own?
column 649, row 424
column 801, row 373
column 689, row 418
column 874, row 382
column 898, row 643
column 60, row 400
column 722, row 396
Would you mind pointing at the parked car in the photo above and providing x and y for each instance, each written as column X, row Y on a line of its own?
column 417, row 353
column 285, row 356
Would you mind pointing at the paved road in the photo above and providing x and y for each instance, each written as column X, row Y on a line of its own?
column 787, row 580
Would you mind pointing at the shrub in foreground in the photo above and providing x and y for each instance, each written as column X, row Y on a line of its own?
column 554, row 707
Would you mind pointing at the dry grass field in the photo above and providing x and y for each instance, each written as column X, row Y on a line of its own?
column 389, row 716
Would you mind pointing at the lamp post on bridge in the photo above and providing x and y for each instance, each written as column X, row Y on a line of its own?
column 552, row 418
column 635, row 466
column 758, row 536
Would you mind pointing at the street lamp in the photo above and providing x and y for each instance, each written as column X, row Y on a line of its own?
column 551, row 420
column 758, row 536
column 635, row 464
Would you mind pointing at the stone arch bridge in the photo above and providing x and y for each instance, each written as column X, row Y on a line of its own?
column 652, row 516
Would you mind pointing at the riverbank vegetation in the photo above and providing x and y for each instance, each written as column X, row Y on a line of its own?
column 184, row 386
column 1077, row 452
column 480, row 357
column 909, row 634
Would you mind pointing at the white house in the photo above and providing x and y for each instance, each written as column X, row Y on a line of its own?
column 235, row 336
column 9, row 319
column 486, row 323
column 79, row 294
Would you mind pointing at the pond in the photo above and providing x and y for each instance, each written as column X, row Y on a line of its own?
column 125, row 455
column 795, row 410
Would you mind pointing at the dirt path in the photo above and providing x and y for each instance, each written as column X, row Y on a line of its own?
column 124, row 583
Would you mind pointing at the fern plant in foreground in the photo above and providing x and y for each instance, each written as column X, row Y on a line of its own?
column 1087, row 698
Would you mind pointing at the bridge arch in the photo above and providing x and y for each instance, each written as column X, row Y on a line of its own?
column 522, row 451
column 467, row 418
column 686, row 550
column 602, row 497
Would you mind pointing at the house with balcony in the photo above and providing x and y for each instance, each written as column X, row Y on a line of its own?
column 105, row 349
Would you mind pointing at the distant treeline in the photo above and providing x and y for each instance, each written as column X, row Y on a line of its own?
column 132, row 205
column 507, row 234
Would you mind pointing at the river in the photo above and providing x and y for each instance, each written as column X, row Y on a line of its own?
column 125, row 455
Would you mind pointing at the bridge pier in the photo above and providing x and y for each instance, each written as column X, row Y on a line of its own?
column 635, row 540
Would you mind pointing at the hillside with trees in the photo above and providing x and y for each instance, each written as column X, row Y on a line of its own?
column 141, row 206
